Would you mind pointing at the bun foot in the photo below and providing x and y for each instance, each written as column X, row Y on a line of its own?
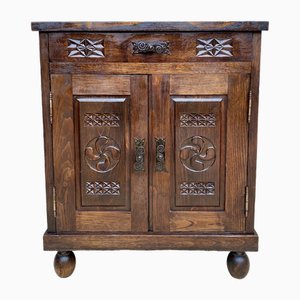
column 238, row 264
column 64, row 263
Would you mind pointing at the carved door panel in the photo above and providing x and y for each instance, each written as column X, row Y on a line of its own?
column 100, row 140
column 200, row 139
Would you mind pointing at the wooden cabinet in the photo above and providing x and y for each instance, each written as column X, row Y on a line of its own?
column 150, row 137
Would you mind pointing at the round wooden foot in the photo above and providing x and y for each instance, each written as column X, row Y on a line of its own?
column 238, row 264
column 64, row 263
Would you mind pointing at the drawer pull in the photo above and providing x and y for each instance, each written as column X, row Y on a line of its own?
column 160, row 145
column 139, row 154
column 158, row 47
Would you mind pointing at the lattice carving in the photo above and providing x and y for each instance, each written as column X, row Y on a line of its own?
column 85, row 48
column 102, row 154
column 197, row 120
column 101, row 120
column 197, row 154
column 214, row 48
column 197, row 188
column 103, row 188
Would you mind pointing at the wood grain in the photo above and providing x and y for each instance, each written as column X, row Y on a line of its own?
column 160, row 116
column 44, row 61
column 252, row 148
column 118, row 47
column 139, row 129
column 63, row 151
column 103, row 221
column 86, row 241
column 208, row 84
column 215, row 134
column 194, row 221
column 150, row 26
column 101, row 85
column 236, row 151
column 152, row 68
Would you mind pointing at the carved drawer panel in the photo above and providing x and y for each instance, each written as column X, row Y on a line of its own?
column 150, row 47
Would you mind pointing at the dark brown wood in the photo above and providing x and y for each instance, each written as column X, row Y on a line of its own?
column 139, row 129
column 160, row 115
column 119, row 47
column 153, row 138
column 64, row 263
column 63, row 152
column 252, row 149
column 236, row 151
column 44, row 61
column 238, row 264
column 149, row 26
column 150, row 241
column 213, row 217
column 153, row 68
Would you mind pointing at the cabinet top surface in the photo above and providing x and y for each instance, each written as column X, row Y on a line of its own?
column 149, row 26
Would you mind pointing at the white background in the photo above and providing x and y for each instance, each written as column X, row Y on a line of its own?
column 26, row 270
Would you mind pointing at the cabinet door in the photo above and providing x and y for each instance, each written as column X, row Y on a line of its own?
column 199, row 141
column 100, row 142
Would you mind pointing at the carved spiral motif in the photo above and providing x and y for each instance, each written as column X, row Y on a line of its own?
column 197, row 154
column 158, row 47
column 102, row 154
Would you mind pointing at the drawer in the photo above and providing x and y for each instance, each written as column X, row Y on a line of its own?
column 150, row 47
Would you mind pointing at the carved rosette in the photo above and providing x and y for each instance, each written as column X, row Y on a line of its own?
column 102, row 154
column 197, row 154
column 214, row 47
column 85, row 48
column 158, row 47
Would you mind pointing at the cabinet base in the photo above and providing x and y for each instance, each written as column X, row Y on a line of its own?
column 150, row 241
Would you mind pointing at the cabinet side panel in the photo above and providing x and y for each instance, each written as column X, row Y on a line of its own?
column 252, row 150
column 44, row 60
column 63, row 151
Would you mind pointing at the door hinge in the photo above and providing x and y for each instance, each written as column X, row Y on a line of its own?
column 249, row 106
column 246, row 201
column 51, row 106
column 54, row 201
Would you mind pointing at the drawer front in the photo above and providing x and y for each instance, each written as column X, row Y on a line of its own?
column 150, row 47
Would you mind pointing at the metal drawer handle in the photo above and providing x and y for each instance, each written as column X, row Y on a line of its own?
column 139, row 154
column 158, row 47
column 160, row 145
